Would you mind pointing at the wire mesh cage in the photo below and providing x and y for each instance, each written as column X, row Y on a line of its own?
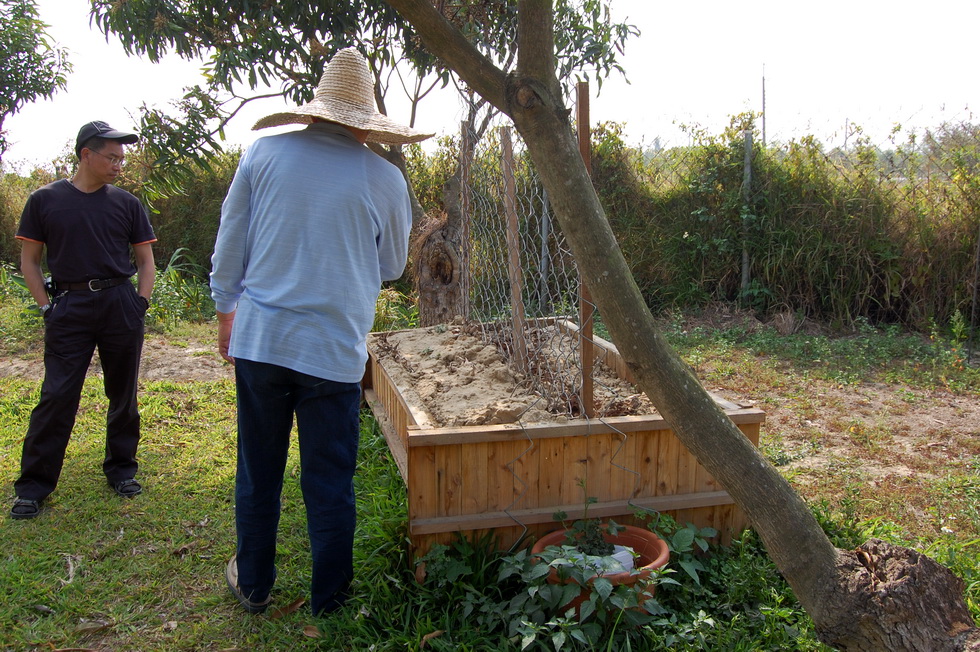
column 523, row 284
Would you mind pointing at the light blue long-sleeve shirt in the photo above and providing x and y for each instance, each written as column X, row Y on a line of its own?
column 312, row 224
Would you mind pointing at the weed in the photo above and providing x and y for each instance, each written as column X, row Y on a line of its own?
column 180, row 294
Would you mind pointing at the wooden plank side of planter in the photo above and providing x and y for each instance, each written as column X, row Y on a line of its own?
column 551, row 470
column 396, row 444
column 423, row 484
column 569, row 428
column 666, row 466
column 576, row 471
column 509, row 480
column 397, row 408
column 522, row 477
column 450, row 488
column 503, row 489
column 624, row 472
column 599, row 471
column 612, row 509
column 474, row 466
column 489, row 485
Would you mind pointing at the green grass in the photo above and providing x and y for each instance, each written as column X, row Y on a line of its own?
column 99, row 572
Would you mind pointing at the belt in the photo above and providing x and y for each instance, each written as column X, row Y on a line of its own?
column 93, row 285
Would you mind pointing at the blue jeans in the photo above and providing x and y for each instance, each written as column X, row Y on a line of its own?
column 327, row 418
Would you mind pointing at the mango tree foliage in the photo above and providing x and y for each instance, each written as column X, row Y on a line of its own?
column 33, row 68
column 254, row 49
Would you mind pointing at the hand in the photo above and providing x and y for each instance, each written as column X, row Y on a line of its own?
column 225, row 322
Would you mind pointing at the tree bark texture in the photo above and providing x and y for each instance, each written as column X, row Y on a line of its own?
column 793, row 538
column 438, row 265
column 899, row 599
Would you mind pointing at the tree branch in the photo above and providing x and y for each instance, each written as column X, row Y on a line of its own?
column 446, row 42
column 536, row 43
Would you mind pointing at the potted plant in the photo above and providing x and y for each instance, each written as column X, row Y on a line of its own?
column 589, row 556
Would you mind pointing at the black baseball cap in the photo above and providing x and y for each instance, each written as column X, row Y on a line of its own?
column 98, row 128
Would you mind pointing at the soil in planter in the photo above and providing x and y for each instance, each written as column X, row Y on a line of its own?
column 459, row 379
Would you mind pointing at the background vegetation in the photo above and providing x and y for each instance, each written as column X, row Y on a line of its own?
column 889, row 235
column 885, row 234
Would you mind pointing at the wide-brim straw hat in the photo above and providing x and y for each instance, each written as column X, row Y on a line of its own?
column 346, row 95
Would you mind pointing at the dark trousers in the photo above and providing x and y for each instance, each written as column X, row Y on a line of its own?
column 79, row 322
column 327, row 419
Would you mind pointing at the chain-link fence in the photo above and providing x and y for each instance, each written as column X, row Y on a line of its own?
column 523, row 283
column 857, row 230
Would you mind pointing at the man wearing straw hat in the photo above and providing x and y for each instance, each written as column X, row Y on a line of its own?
column 312, row 224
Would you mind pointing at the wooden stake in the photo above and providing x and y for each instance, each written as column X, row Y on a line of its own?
column 586, row 307
column 513, row 251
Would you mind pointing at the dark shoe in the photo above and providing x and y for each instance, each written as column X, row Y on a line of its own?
column 231, row 577
column 24, row 508
column 127, row 488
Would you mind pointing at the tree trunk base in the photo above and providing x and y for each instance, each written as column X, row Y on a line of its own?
column 894, row 599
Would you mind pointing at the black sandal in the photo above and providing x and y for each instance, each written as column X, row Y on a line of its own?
column 127, row 488
column 25, row 508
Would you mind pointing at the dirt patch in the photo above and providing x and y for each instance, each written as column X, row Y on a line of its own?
column 888, row 432
column 457, row 378
column 193, row 361
column 162, row 360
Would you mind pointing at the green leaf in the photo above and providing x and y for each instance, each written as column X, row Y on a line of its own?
column 603, row 587
column 682, row 540
column 691, row 568
column 558, row 639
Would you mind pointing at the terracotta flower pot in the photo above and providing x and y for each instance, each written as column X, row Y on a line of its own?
column 652, row 550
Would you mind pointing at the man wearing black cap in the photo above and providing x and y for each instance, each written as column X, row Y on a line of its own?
column 89, row 227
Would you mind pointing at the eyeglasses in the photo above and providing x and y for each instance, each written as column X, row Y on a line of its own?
column 113, row 161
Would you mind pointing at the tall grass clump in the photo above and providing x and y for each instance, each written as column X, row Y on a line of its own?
column 823, row 246
column 627, row 197
column 20, row 319
column 887, row 234
column 180, row 294
column 395, row 310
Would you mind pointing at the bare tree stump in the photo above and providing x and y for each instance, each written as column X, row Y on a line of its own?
column 439, row 272
column 895, row 598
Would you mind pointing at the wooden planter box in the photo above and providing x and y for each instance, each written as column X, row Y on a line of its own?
column 510, row 480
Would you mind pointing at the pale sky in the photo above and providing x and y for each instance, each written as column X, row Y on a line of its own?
column 871, row 62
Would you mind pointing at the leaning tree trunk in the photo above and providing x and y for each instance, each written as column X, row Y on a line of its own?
column 853, row 608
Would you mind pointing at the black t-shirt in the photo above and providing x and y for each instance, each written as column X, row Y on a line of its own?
column 87, row 235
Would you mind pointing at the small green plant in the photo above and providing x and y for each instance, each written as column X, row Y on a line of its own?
column 180, row 294
column 586, row 534
column 686, row 543
column 542, row 613
column 958, row 327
